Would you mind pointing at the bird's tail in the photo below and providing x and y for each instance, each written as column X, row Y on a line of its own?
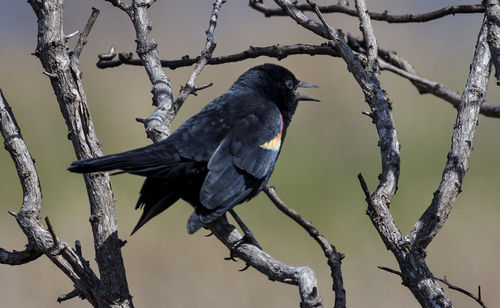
column 135, row 162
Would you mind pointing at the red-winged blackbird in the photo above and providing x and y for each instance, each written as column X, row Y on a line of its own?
column 222, row 156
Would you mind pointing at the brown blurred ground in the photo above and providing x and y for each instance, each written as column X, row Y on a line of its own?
column 328, row 144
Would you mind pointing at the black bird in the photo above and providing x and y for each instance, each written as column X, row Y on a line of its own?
column 219, row 158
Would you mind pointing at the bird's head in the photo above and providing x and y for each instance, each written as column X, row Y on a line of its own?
column 278, row 84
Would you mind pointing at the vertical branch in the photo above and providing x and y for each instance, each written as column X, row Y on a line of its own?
column 461, row 146
column 493, row 15
column 157, row 125
column 370, row 41
column 62, row 67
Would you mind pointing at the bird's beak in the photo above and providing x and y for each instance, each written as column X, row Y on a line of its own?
column 303, row 97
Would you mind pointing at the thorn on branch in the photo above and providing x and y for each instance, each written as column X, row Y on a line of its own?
column 365, row 188
column 67, row 37
column 51, row 75
column 108, row 56
column 68, row 296
column 122, row 242
column 390, row 270
column 368, row 113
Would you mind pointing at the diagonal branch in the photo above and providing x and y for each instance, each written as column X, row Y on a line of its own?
column 82, row 38
column 436, row 214
column 334, row 257
column 40, row 240
column 202, row 60
column 385, row 16
column 301, row 276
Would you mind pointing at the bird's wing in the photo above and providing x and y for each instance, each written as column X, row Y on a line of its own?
column 245, row 157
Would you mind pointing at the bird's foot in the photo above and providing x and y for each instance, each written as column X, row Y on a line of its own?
column 248, row 238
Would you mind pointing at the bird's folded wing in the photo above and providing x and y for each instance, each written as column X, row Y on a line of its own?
column 241, row 161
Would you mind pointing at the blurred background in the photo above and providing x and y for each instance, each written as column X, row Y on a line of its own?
column 327, row 145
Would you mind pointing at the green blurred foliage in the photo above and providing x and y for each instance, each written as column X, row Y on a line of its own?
column 327, row 145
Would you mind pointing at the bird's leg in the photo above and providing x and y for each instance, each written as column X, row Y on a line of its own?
column 247, row 238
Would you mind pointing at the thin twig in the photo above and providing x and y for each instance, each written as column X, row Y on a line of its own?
column 370, row 40
column 82, row 38
column 334, row 258
column 385, row 16
column 463, row 291
column 447, row 283
column 206, row 54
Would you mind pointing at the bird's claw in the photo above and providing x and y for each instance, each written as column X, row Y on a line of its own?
column 246, row 239
column 231, row 257
column 210, row 234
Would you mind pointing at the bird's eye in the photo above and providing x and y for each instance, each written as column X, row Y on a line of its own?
column 289, row 84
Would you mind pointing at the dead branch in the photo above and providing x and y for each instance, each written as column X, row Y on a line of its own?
column 334, row 258
column 385, row 16
column 205, row 55
column 41, row 240
column 458, row 157
column 56, row 59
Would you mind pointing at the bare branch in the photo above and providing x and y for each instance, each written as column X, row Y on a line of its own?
column 31, row 253
column 370, row 40
column 39, row 239
column 119, row 4
column 393, row 62
column 206, row 54
column 56, row 58
column 463, row 291
column 334, row 258
column 448, row 284
column 275, row 51
column 301, row 276
column 157, row 125
column 385, row 16
column 493, row 15
column 416, row 275
column 436, row 214
column 82, row 39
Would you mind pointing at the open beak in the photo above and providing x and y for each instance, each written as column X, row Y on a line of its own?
column 303, row 97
